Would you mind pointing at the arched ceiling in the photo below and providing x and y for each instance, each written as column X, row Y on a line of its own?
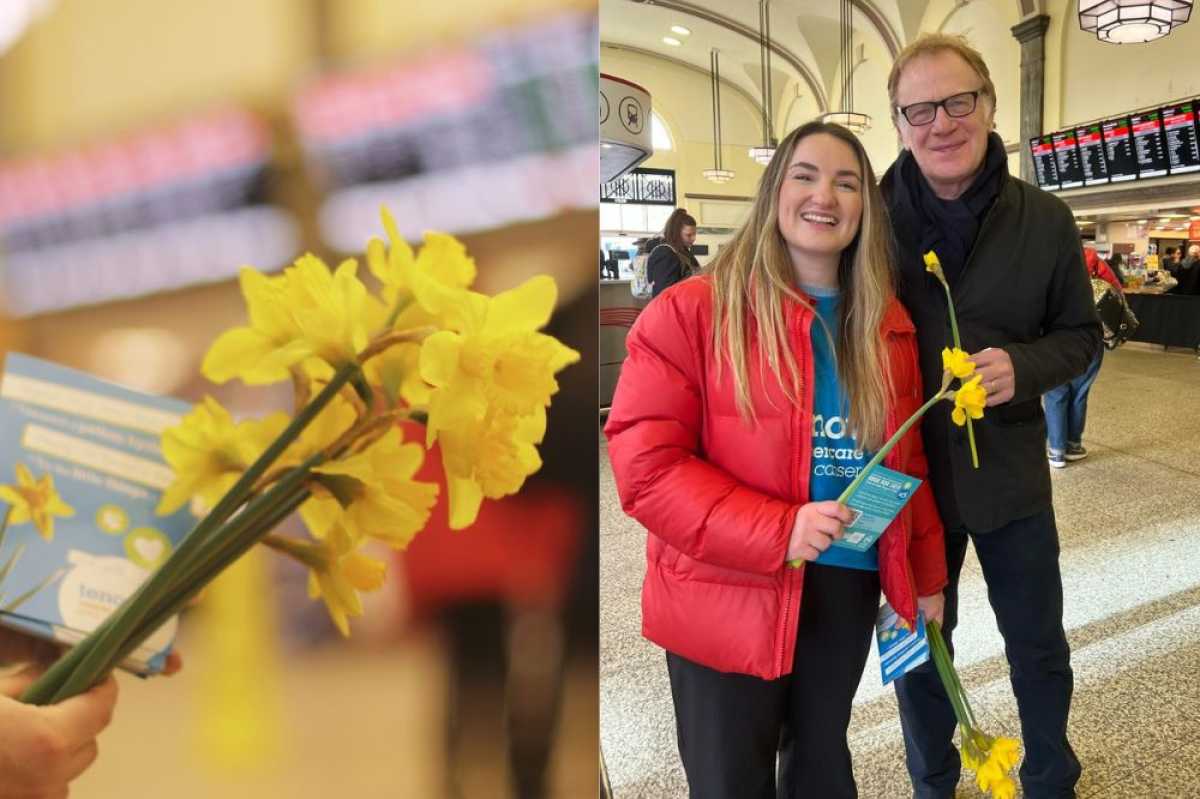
column 805, row 37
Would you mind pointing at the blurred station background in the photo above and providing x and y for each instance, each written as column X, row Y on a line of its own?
column 148, row 149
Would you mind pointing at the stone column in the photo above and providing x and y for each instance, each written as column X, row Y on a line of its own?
column 1031, row 33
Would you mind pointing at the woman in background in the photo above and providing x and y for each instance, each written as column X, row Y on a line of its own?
column 671, row 259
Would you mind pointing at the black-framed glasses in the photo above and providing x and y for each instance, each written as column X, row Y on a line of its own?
column 956, row 105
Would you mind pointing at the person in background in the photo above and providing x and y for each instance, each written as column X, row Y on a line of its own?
column 671, row 259
column 1188, row 273
column 1116, row 263
column 1066, row 405
column 1011, row 255
column 750, row 399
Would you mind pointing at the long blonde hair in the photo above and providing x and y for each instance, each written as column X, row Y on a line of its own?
column 753, row 279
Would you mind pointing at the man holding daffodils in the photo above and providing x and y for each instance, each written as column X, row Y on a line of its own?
column 1013, row 262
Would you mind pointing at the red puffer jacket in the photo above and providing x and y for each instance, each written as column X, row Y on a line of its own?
column 719, row 496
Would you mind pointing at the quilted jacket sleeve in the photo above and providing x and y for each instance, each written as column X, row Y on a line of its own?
column 654, row 432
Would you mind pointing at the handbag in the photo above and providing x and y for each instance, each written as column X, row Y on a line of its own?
column 1117, row 321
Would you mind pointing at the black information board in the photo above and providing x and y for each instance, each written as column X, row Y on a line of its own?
column 1066, row 158
column 1091, row 153
column 1044, row 167
column 1179, row 130
column 1118, row 149
column 1148, row 144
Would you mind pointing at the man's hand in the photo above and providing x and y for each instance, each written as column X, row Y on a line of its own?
column 817, row 526
column 996, row 370
column 934, row 607
column 42, row 749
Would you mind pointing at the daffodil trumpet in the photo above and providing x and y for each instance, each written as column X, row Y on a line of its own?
column 934, row 267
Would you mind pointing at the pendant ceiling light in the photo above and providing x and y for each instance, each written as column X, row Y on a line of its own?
column 717, row 174
column 764, row 153
column 1132, row 21
column 847, row 117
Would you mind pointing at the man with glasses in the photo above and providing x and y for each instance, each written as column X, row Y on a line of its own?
column 1012, row 257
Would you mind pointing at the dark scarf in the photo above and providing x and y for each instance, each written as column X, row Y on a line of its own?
column 949, row 227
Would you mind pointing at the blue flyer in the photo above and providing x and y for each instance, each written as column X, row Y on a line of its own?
column 876, row 501
column 900, row 649
column 81, row 472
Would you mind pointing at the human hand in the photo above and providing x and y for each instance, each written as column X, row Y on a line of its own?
column 995, row 367
column 817, row 526
column 42, row 749
column 16, row 647
column 933, row 606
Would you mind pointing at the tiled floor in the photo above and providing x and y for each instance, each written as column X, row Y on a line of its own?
column 1129, row 523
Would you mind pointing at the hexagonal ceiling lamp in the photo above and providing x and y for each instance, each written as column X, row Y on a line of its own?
column 1132, row 21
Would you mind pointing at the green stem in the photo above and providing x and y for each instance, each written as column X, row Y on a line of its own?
column 971, row 439
column 945, row 667
column 4, row 523
column 90, row 654
column 880, row 455
column 953, row 318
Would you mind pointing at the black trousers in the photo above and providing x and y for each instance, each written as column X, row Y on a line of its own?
column 1024, row 584
column 732, row 726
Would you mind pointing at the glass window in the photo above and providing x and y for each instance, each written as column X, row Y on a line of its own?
column 660, row 137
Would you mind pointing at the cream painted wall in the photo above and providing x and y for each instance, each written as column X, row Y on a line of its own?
column 93, row 68
column 682, row 97
column 1102, row 79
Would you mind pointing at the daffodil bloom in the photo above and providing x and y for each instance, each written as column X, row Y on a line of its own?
column 988, row 775
column 489, row 459
column 332, row 311
column 337, row 572
column 934, row 266
column 969, row 401
column 442, row 258
column 34, row 500
column 263, row 351
column 1004, row 788
column 1006, row 751
column 493, row 356
column 957, row 362
column 372, row 493
column 397, row 370
column 208, row 452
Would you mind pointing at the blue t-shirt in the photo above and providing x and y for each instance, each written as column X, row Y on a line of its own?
column 836, row 456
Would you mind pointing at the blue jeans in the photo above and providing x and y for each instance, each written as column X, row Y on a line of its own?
column 1066, row 408
column 1024, row 585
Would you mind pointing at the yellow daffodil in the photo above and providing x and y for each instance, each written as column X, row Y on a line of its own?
column 442, row 259
column 493, row 356
column 208, row 453
column 397, row 370
column 337, row 572
column 988, row 775
column 934, row 266
column 957, row 362
column 261, row 352
column 329, row 425
column 332, row 310
column 971, row 756
column 969, row 401
column 1006, row 752
column 35, row 501
column 491, row 458
column 372, row 493
column 1004, row 788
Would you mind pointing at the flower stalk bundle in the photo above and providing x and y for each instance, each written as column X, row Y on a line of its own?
column 934, row 267
column 425, row 349
column 990, row 757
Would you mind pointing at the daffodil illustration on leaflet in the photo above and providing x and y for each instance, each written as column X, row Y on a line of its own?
column 29, row 500
column 426, row 349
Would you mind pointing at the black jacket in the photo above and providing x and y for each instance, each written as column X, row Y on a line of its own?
column 667, row 266
column 1024, row 288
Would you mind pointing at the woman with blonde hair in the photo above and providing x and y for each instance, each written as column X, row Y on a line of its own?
column 750, row 399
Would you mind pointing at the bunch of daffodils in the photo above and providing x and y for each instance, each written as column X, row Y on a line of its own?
column 474, row 369
column 969, row 400
column 991, row 758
